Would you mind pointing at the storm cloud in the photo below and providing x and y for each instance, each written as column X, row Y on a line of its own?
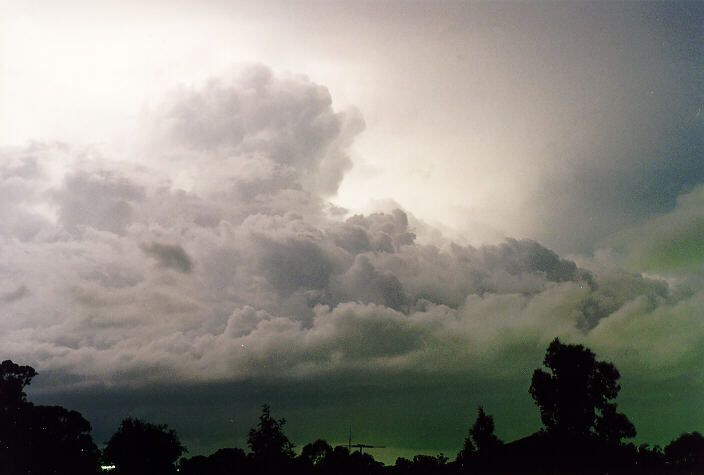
column 247, row 272
column 212, row 255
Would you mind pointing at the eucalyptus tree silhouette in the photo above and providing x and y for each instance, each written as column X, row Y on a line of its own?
column 575, row 396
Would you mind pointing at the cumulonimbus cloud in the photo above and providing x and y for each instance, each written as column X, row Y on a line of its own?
column 217, row 258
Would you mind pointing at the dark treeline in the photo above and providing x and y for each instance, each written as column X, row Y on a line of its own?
column 583, row 433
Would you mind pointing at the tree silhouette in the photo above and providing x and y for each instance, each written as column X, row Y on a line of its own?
column 320, row 458
column 687, row 452
column 337, row 461
column 574, row 396
column 271, row 449
column 314, row 455
column 13, row 379
column 141, row 448
column 613, row 426
column 14, row 417
column 222, row 462
column 359, row 463
column 40, row 439
column 421, row 465
column 465, row 456
column 650, row 457
column 61, row 442
column 482, row 433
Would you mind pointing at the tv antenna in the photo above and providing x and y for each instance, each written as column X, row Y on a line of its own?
column 361, row 447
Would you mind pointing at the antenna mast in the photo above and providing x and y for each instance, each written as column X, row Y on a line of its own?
column 361, row 447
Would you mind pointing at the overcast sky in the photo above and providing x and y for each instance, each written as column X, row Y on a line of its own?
column 374, row 214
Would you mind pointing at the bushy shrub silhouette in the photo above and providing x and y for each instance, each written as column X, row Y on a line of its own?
column 142, row 448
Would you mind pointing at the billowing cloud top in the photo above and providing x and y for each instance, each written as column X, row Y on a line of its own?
column 217, row 257
column 256, row 134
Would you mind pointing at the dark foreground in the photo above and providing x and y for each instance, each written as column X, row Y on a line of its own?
column 584, row 434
